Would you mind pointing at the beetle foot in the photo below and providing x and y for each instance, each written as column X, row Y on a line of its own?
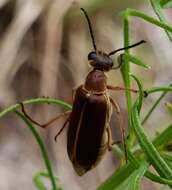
column 145, row 93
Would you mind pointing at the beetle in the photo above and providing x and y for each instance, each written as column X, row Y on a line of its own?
column 89, row 133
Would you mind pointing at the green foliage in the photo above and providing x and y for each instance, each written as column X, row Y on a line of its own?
column 166, row 4
column 126, row 177
column 142, row 152
column 161, row 161
column 169, row 106
column 38, row 182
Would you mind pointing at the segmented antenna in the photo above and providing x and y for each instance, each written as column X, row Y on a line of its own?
column 90, row 28
column 128, row 47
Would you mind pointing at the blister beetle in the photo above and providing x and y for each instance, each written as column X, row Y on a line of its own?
column 89, row 133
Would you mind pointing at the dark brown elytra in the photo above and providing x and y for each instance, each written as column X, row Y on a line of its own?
column 89, row 133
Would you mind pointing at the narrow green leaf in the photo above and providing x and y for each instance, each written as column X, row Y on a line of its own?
column 42, row 148
column 158, row 179
column 36, row 101
column 154, row 106
column 134, row 160
column 159, row 89
column 125, row 178
column 136, row 61
column 141, row 93
column 126, row 185
column 133, row 12
column 165, row 4
column 125, row 69
column 39, row 183
column 164, row 137
column 167, row 156
column 45, row 174
column 157, row 8
column 169, row 106
column 156, row 160
column 139, row 173
column 118, row 178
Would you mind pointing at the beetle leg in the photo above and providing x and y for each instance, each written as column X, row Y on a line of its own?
column 56, row 118
column 110, row 142
column 117, row 108
column 121, row 88
column 109, row 133
column 73, row 93
column 116, row 142
column 120, row 61
column 46, row 124
column 64, row 125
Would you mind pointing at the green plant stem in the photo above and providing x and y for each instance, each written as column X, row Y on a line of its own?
column 141, row 94
column 133, row 12
column 36, row 101
column 152, row 90
column 149, row 149
column 158, row 179
column 39, row 183
column 169, row 107
column 45, row 175
column 159, row 89
column 125, row 69
column 157, row 8
column 135, row 161
column 42, row 148
column 164, row 137
column 139, row 174
column 165, row 4
column 136, row 61
column 153, row 107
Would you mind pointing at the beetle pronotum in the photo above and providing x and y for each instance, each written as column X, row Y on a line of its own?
column 89, row 133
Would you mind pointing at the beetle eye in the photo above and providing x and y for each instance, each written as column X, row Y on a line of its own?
column 92, row 55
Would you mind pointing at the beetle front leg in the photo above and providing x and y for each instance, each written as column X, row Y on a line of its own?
column 46, row 124
column 110, row 87
column 117, row 108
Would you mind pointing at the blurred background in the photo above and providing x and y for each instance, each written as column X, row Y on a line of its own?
column 43, row 52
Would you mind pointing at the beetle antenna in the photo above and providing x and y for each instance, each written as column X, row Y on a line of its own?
column 90, row 28
column 128, row 47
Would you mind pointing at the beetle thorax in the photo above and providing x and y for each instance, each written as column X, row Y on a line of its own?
column 96, row 81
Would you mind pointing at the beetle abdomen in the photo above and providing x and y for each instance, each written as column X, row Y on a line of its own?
column 86, row 133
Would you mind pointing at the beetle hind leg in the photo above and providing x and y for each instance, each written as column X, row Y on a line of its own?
column 117, row 108
column 110, row 142
column 109, row 133
column 45, row 125
column 60, row 131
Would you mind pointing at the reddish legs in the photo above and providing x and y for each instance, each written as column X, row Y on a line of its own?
column 64, row 125
column 73, row 93
column 121, row 88
column 109, row 138
column 46, row 124
column 116, row 106
column 68, row 119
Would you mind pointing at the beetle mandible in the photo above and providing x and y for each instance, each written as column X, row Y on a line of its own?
column 89, row 133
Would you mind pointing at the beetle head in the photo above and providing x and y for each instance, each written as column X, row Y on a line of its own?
column 100, row 61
